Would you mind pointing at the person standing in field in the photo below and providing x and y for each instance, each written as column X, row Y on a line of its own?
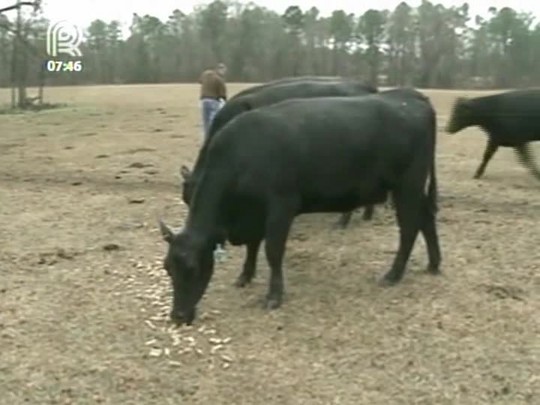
column 213, row 94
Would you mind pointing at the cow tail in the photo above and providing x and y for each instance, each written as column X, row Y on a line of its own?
column 432, row 194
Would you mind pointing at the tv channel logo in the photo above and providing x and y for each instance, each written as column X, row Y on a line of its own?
column 65, row 38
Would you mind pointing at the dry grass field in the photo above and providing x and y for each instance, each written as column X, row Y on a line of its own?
column 84, row 300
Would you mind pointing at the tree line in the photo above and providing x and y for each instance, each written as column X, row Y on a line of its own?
column 426, row 46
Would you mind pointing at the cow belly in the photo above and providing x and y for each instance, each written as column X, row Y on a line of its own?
column 514, row 138
column 342, row 203
column 509, row 142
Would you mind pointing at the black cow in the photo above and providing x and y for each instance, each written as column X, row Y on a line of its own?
column 269, row 95
column 266, row 96
column 286, row 80
column 510, row 119
column 304, row 156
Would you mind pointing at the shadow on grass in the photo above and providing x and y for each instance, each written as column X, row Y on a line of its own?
column 7, row 109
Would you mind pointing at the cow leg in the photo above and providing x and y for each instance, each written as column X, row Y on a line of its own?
column 368, row 213
column 280, row 218
column 343, row 220
column 491, row 148
column 408, row 213
column 248, row 271
column 429, row 232
column 526, row 156
column 392, row 202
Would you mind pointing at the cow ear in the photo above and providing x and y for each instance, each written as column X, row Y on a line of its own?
column 185, row 172
column 166, row 232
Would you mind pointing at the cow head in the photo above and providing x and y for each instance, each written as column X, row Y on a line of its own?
column 187, row 184
column 239, row 106
column 189, row 262
column 229, row 111
column 462, row 115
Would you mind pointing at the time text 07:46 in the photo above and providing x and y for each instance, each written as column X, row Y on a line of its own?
column 63, row 66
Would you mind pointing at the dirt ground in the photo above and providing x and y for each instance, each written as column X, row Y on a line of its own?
column 84, row 300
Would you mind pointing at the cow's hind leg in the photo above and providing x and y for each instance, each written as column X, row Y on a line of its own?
column 343, row 220
column 429, row 232
column 491, row 148
column 408, row 212
column 281, row 212
column 527, row 158
column 368, row 213
column 250, row 264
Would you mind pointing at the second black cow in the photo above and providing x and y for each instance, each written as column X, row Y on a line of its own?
column 286, row 80
column 275, row 92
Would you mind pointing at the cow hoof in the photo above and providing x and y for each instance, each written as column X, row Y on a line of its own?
column 388, row 280
column 242, row 281
column 435, row 270
column 338, row 226
column 272, row 303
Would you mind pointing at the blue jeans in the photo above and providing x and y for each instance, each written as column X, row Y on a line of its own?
column 209, row 107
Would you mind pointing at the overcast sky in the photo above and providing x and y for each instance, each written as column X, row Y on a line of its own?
column 82, row 12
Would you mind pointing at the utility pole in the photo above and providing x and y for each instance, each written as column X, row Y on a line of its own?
column 17, row 62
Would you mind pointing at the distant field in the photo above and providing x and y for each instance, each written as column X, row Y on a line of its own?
column 84, row 301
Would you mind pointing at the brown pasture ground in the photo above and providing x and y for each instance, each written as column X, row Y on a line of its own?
column 84, row 301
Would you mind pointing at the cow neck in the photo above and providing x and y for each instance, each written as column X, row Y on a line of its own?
column 484, row 111
column 203, row 214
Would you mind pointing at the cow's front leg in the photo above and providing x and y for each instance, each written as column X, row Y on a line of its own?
column 281, row 214
column 250, row 264
column 491, row 148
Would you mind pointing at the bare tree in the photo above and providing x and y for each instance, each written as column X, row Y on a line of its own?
column 19, row 60
column 19, row 4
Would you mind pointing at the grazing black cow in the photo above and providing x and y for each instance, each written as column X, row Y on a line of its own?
column 286, row 80
column 510, row 119
column 269, row 95
column 304, row 156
